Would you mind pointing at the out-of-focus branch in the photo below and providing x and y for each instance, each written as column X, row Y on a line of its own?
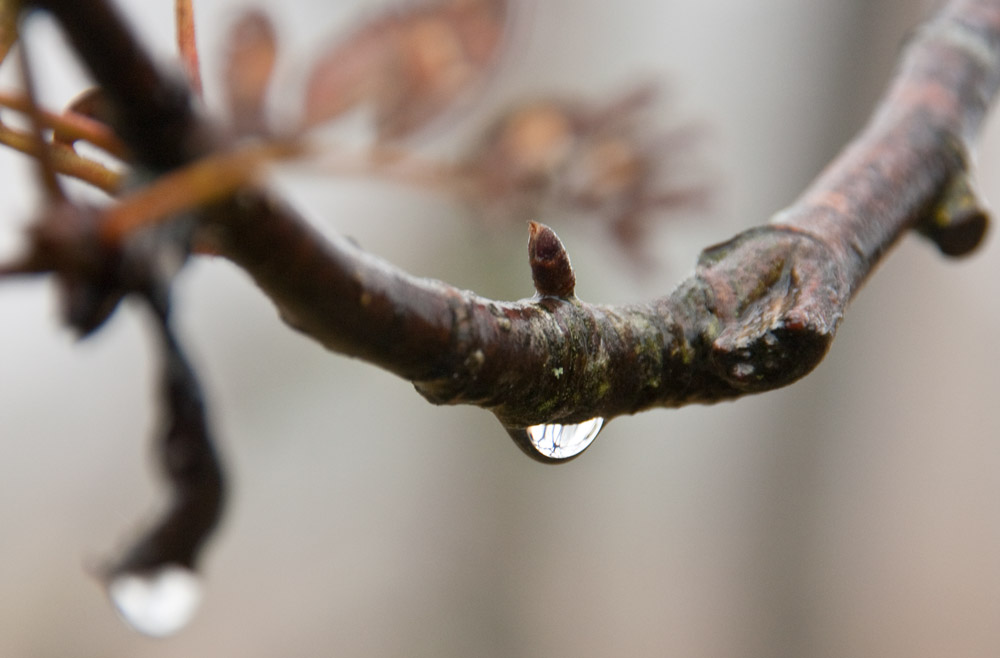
column 70, row 126
column 759, row 312
column 152, row 112
column 63, row 159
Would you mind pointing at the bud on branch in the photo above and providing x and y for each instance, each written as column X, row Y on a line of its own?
column 550, row 268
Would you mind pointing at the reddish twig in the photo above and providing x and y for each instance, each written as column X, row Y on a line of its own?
column 187, row 43
column 71, row 126
column 8, row 26
column 209, row 179
column 64, row 160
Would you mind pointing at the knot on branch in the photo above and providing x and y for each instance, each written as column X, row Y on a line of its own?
column 779, row 295
column 550, row 267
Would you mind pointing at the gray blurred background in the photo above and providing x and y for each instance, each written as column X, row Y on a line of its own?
column 853, row 514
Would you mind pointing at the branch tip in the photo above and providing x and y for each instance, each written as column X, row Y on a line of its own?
column 959, row 220
column 550, row 266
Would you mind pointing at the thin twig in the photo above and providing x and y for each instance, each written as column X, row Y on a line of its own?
column 187, row 43
column 204, row 181
column 71, row 125
column 64, row 160
column 8, row 26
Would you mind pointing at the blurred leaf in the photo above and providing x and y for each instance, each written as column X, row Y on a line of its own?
column 408, row 66
column 559, row 154
column 344, row 75
column 252, row 49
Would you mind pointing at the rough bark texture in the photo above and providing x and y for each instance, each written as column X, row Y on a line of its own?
column 759, row 312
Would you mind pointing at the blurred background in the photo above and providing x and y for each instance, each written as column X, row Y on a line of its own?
column 852, row 514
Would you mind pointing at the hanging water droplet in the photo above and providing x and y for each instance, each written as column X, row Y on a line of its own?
column 555, row 442
column 158, row 602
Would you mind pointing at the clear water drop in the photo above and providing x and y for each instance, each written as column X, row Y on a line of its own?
column 159, row 602
column 556, row 442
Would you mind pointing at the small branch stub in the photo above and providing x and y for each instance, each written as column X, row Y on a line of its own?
column 959, row 221
column 550, row 267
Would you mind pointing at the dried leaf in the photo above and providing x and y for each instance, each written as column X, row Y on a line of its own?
column 597, row 158
column 410, row 66
column 251, row 54
column 346, row 75
column 526, row 148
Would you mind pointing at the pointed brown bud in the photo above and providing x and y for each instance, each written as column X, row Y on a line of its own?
column 550, row 267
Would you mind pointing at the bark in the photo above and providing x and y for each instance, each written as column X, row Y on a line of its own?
column 759, row 312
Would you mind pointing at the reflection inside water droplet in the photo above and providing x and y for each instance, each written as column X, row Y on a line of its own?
column 158, row 602
column 554, row 441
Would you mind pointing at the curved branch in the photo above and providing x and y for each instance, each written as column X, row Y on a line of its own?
column 759, row 312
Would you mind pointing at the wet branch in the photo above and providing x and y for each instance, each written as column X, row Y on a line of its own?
column 759, row 312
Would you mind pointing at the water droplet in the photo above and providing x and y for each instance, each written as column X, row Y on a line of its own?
column 159, row 602
column 555, row 442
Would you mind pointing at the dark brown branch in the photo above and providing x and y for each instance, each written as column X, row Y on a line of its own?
column 759, row 312
column 189, row 462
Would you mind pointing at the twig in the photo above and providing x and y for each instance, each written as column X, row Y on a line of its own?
column 64, row 160
column 71, row 126
column 8, row 26
column 204, row 181
column 187, row 43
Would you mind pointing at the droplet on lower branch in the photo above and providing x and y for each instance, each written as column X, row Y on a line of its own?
column 158, row 602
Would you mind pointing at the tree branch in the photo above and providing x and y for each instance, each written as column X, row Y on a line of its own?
column 759, row 312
